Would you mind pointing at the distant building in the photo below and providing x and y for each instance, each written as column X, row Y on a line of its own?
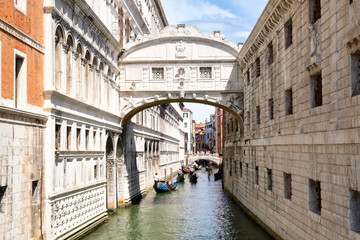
column 200, row 137
column 188, row 131
column 209, row 133
column 218, row 133
column 193, row 136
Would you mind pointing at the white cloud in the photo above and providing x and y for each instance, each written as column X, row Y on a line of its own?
column 180, row 11
column 234, row 18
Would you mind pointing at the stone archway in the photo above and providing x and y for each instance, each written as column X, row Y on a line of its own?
column 180, row 65
column 110, row 172
column 120, row 168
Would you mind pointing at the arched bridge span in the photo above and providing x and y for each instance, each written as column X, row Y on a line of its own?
column 180, row 65
column 209, row 157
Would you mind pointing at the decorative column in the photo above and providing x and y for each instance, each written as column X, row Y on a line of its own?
column 83, row 82
column 90, row 84
column 65, row 49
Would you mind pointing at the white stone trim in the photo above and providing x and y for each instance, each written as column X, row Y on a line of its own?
column 21, row 92
column 21, row 5
column 21, row 36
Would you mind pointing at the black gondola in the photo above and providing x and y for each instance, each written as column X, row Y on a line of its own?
column 180, row 178
column 218, row 175
column 166, row 188
column 193, row 178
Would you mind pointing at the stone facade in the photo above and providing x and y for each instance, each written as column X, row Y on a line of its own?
column 294, row 163
column 22, row 121
column 90, row 166
column 188, row 131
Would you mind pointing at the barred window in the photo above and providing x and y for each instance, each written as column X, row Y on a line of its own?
column 158, row 73
column 205, row 72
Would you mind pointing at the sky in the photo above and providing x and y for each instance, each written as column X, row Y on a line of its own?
column 234, row 18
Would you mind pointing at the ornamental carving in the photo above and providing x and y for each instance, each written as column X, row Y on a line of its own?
column 180, row 50
column 74, row 210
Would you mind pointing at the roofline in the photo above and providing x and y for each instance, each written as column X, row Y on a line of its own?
column 162, row 13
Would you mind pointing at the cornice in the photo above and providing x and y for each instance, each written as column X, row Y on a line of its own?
column 77, row 35
column 21, row 36
column 266, row 24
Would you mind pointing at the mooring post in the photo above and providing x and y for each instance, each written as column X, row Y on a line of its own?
column 165, row 175
column 171, row 175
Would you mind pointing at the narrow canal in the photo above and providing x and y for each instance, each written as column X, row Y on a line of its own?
column 192, row 211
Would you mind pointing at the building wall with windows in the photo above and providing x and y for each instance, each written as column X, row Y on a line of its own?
column 188, row 131
column 22, row 121
column 218, row 133
column 87, row 164
column 294, row 165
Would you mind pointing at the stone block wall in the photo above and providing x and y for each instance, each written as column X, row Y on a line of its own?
column 21, row 155
column 297, row 171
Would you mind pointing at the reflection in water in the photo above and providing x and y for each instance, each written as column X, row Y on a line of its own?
column 193, row 211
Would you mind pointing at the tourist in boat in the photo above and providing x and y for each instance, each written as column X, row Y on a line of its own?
column 180, row 172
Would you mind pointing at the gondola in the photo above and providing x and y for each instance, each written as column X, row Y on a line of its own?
column 180, row 178
column 166, row 188
column 193, row 178
column 185, row 170
column 218, row 175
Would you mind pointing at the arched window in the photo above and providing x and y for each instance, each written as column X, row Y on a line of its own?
column 95, row 87
column 70, row 44
column 101, row 83
column 87, row 74
column 59, row 40
column 79, row 77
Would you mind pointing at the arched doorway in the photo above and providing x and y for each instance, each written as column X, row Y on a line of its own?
column 110, row 172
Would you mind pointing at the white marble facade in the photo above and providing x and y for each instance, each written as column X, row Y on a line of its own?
column 87, row 167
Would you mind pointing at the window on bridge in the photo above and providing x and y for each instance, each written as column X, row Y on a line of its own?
column 354, row 210
column 158, row 73
column 205, row 73
column 287, row 186
column 315, row 196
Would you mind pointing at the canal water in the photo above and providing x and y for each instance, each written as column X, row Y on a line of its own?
column 192, row 211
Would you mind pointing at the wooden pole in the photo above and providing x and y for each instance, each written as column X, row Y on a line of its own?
column 171, row 181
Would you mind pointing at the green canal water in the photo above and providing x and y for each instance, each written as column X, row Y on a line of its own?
column 192, row 211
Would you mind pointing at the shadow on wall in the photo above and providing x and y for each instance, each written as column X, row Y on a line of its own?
column 132, row 180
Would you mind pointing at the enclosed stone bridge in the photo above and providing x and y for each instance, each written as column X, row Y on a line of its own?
column 209, row 157
column 180, row 65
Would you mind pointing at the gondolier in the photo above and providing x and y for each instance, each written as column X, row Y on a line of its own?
column 156, row 180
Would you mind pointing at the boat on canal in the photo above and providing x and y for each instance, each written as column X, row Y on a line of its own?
column 193, row 178
column 180, row 178
column 163, row 188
